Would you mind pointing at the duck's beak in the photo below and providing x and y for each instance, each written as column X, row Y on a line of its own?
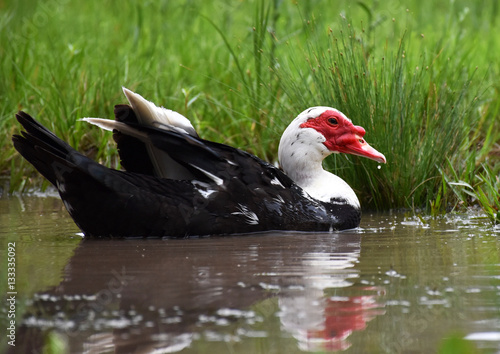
column 358, row 146
column 352, row 142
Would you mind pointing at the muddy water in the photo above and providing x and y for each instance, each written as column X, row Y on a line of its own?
column 396, row 284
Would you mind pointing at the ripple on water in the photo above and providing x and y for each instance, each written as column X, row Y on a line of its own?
column 484, row 336
column 318, row 292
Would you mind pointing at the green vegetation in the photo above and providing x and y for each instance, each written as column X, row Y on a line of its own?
column 421, row 77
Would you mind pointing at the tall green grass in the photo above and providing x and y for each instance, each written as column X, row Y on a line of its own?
column 423, row 82
column 417, row 100
column 424, row 98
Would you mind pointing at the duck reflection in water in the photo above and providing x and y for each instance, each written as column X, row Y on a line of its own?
column 168, row 295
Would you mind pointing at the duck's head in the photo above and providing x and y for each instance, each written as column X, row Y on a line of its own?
column 314, row 134
column 341, row 136
column 325, row 130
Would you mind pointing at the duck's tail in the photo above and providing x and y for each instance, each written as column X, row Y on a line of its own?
column 51, row 156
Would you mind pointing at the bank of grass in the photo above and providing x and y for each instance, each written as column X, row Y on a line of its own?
column 425, row 98
column 422, row 81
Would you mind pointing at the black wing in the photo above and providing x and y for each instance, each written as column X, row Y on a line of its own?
column 235, row 193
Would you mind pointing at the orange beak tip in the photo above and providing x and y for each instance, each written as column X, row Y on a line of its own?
column 373, row 154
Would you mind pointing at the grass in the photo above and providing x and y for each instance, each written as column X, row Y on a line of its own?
column 421, row 78
column 408, row 110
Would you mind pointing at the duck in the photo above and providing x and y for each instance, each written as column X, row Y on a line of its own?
column 176, row 184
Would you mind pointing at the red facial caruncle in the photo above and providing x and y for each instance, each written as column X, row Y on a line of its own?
column 342, row 136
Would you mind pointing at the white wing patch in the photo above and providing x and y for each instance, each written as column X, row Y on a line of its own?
column 251, row 217
column 149, row 114
column 217, row 180
column 279, row 199
column 276, row 182
column 203, row 189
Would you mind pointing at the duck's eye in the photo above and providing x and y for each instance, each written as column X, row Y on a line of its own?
column 333, row 121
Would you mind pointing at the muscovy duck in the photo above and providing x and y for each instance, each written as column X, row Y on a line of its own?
column 177, row 184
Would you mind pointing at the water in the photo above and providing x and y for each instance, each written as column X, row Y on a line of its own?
column 397, row 284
